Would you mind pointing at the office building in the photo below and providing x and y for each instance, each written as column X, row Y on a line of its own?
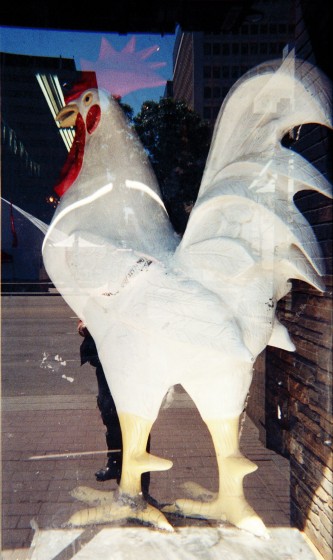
column 207, row 64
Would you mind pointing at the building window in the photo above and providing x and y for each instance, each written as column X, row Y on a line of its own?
column 253, row 48
column 272, row 48
column 234, row 72
column 207, row 48
column 207, row 72
column 225, row 71
column 226, row 48
column 216, row 92
column 245, row 48
column 235, row 48
column 263, row 48
column 216, row 72
column 207, row 92
column 216, row 48
column 263, row 28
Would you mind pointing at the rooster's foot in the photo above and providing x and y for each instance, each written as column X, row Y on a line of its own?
column 229, row 503
column 231, row 509
column 114, row 506
column 91, row 496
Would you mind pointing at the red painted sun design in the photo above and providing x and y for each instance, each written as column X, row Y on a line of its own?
column 122, row 72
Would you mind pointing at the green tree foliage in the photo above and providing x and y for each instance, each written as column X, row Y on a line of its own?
column 127, row 109
column 177, row 141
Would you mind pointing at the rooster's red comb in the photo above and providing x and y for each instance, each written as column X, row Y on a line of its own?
column 87, row 80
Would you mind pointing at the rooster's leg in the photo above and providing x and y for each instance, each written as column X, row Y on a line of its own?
column 229, row 504
column 135, row 431
column 129, row 503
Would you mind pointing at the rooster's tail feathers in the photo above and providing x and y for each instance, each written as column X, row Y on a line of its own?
column 245, row 216
column 261, row 108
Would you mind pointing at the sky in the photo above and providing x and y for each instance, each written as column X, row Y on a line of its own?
column 136, row 67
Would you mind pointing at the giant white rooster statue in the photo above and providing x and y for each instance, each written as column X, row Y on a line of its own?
column 196, row 311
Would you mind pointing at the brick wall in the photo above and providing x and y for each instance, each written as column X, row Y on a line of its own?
column 292, row 392
column 256, row 402
column 299, row 410
column 297, row 386
column 299, row 421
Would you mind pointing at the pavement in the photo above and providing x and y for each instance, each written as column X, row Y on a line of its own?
column 53, row 440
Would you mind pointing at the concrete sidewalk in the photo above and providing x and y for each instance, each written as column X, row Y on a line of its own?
column 53, row 440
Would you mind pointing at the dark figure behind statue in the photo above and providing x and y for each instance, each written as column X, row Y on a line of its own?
column 107, row 407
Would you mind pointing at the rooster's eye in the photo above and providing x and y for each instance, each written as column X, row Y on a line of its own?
column 88, row 98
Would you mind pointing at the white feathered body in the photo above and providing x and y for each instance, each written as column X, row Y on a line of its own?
column 197, row 310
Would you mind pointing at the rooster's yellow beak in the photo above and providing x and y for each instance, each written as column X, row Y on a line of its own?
column 67, row 116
